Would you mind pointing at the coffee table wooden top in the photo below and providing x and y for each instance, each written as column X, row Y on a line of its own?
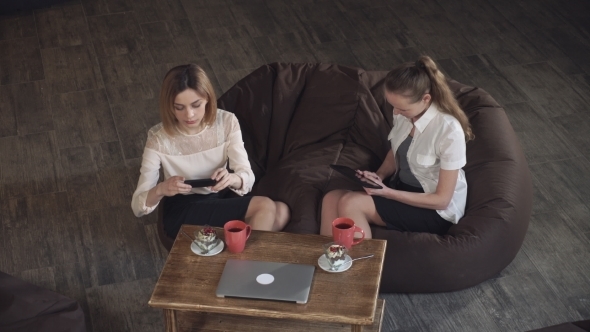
column 189, row 281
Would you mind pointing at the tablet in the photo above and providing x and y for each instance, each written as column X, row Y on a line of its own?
column 201, row 182
column 351, row 174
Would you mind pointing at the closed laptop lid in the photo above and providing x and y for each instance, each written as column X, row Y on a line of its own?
column 266, row 280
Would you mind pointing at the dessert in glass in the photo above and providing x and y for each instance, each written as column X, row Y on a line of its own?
column 336, row 255
column 206, row 238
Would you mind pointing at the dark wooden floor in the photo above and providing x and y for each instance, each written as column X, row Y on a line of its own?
column 78, row 91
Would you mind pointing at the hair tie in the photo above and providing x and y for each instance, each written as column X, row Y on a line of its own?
column 420, row 65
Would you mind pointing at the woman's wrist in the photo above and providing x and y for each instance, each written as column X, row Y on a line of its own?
column 237, row 183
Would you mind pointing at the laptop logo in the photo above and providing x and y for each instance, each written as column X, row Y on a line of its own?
column 265, row 279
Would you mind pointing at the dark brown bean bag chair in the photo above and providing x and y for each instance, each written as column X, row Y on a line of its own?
column 580, row 326
column 25, row 307
column 296, row 119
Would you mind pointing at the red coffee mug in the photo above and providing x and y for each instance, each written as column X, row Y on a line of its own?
column 343, row 230
column 236, row 233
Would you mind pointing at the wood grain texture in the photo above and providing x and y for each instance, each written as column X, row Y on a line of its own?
column 372, row 55
column 8, row 125
column 323, row 22
column 133, row 92
column 157, row 250
column 440, row 313
column 17, row 26
column 130, row 78
column 376, row 24
column 20, row 60
column 478, row 70
column 30, row 166
column 575, row 127
column 428, row 32
column 62, row 26
column 288, row 47
column 190, row 321
column 336, row 52
column 114, row 251
column 533, row 131
column 71, row 69
column 40, row 224
column 545, row 235
column 522, row 264
column 155, row 10
column 43, row 277
column 521, row 302
column 565, row 181
column 116, row 34
column 527, row 16
column 356, row 307
column 31, row 104
column 256, row 17
column 227, row 79
column 547, row 87
column 122, row 306
column 230, row 48
column 566, row 274
column 209, row 15
column 172, row 41
column 83, row 118
column 101, row 7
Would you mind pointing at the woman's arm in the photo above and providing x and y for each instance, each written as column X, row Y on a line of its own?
column 387, row 167
column 238, row 160
column 149, row 192
column 438, row 200
column 172, row 186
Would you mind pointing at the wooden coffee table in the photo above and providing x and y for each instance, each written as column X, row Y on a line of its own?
column 345, row 301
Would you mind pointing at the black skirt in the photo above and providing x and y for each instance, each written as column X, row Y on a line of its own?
column 407, row 218
column 198, row 209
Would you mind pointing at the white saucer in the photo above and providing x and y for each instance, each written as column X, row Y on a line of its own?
column 216, row 250
column 325, row 265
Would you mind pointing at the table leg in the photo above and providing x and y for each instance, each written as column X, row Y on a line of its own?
column 170, row 318
column 356, row 328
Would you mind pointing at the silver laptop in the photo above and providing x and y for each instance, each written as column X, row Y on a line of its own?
column 266, row 280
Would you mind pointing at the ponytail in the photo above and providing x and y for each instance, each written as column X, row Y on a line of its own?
column 413, row 80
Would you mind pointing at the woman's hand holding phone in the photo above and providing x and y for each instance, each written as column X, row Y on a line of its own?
column 371, row 177
column 172, row 186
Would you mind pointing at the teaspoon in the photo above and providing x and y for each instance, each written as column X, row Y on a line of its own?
column 362, row 257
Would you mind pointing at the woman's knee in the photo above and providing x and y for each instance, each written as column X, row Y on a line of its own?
column 261, row 204
column 332, row 197
column 351, row 200
column 282, row 216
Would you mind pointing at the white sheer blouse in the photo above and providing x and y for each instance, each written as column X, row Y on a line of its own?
column 193, row 157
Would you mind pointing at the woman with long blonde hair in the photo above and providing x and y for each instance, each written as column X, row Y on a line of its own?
column 428, row 190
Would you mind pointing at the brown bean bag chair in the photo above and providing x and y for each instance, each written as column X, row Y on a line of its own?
column 580, row 326
column 25, row 307
column 296, row 119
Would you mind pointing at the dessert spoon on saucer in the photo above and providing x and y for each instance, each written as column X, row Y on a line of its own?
column 362, row 257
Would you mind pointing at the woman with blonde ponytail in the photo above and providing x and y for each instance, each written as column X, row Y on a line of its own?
column 428, row 190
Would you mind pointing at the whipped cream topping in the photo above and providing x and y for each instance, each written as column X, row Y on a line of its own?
column 206, row 234
column 336, row 251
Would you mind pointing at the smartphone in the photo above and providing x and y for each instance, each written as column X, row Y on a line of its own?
column 201, row 183
column 351, row 174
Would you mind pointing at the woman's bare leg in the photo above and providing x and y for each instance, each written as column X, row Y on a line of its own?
column 281, row 217
column 360, row 207
column 261, row 213
column 330, row 210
